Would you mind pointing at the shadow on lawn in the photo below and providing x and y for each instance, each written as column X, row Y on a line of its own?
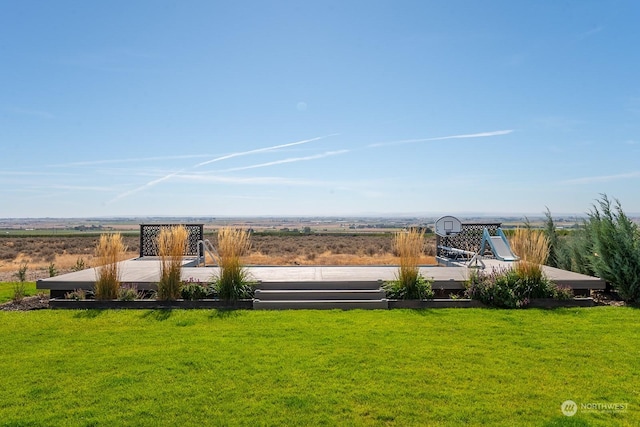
column 159, row 315
column 224, row 313
column 91, row 313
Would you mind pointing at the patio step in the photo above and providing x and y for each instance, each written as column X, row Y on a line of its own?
column 321, row 285
column 320, row 295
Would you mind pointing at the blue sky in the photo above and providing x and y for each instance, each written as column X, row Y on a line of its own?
column 231, row 108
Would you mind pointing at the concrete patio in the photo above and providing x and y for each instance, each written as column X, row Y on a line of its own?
column 308, row 286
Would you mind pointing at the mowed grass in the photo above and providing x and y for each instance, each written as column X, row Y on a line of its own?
column 6, row 290
column 396, row 367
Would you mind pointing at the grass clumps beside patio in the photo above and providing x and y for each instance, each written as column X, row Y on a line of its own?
column 515, row 287
column 233, row 282
column 172, row 242
column 450, row 367
column 532, row 248
column 109, row 252
column 409, row 284
column 7, row 290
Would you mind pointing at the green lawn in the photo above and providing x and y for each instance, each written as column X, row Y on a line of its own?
column 6, row 290
column 396, row 367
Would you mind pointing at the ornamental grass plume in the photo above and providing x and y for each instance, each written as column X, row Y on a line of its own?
column 408, row 246
column 172, row 242
column 232, row 283
column 109, row 251
column 409, row 284
column 532, row 247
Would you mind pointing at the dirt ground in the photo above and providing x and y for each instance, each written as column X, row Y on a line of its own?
column 65, row 253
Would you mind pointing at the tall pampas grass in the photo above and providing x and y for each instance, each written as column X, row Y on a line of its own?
column 409, row 284
column 532, row 247
column 172, row 242
column 408, row 245
column 232, row 282
column 109, row 251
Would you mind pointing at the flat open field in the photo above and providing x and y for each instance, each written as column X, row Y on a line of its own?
column 39, row 251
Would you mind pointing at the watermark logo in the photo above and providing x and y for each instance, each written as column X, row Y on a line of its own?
column 569, row 408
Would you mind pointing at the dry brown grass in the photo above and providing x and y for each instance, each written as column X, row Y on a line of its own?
column 409, row 246
column 532, row 247
column 313, row 249
column 110, row 250
column 63, row 251
column 329, row 258
column 233, row 243
column 171, row 247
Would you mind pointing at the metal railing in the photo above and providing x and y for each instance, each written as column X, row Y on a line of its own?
column 206, row 247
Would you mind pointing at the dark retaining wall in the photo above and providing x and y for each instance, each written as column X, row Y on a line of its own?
column 248, row 304
column 149, row 304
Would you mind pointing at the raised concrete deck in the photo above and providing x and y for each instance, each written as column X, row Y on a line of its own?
column 145, row 274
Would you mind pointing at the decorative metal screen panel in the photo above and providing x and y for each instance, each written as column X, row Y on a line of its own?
column 469, row 239
column 149, row 238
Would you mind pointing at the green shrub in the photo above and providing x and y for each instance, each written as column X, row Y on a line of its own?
column 420, row 289
column 562, row 293
column 616, row 248
column 495, row 289
column 508, row 288
column 128, row 293
column 559, row 246
column 19, row 291
column 581, row 250
column 53, row 271
column 21, row 274
column 79, row 265
column 194, row 290
column 77, row 295
column 233, row 284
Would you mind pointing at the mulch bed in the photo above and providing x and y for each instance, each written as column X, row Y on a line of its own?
column 606, row 297
column 37, row 302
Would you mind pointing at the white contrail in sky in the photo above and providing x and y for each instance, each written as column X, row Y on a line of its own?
column 602, row 178
column 262, row 150
column 217, row 159
column 441, row 138
column 290, row 160
column 145, row 186
column 129, row 160
column 180, row 173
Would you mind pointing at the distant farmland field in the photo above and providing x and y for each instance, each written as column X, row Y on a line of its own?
column 40, row 251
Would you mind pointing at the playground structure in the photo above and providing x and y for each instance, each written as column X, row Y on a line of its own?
column 470, row 243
